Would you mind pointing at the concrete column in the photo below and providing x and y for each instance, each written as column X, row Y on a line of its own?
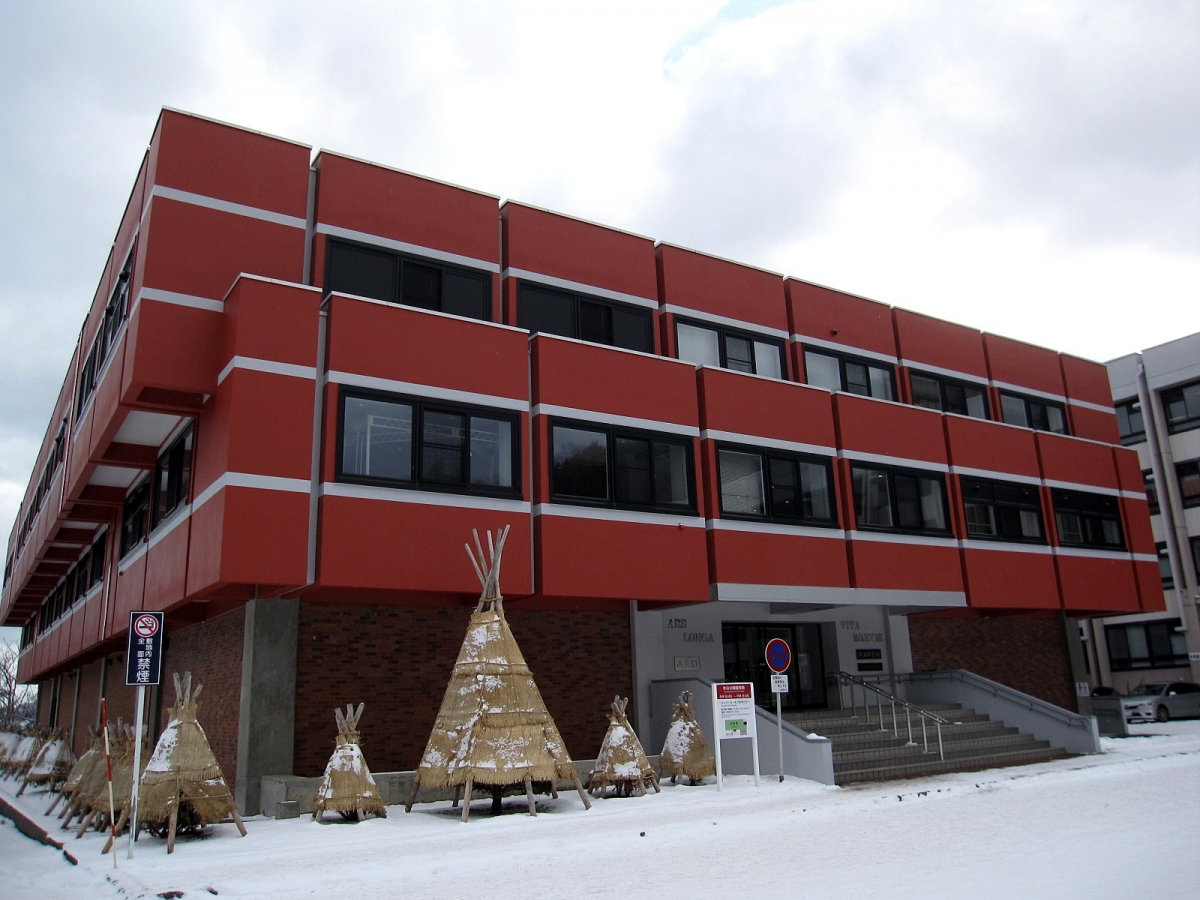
column 1083, row 705
column 267, row 725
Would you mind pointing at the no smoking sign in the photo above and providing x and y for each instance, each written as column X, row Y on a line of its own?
column 143, row 655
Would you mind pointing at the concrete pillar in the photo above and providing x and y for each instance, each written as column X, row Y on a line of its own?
column 1083, row 705
column 267, row 725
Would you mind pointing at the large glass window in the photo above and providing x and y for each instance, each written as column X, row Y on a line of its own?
column 837, row 372
column 949, row 395
column 396, row 278
column 776, row 486
column 543, row 309
column 173, row 477
column 1130, row 423
column 135, row 516
column 1182, row 406
column 426, row 444
column 1088, row 520
column 712, row 345
column 1002, row 511
column 1033, row 412
column 899, row 500
column 1146, row 645
column 614, row 467
column 1189, row 482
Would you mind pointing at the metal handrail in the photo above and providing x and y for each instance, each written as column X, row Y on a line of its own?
column 845, row 678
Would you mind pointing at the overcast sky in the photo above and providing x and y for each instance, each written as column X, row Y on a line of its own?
column 1029, row 169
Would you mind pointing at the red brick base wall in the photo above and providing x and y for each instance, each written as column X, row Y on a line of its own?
column 212, row 652
column 1026, row 653
column 398, row 662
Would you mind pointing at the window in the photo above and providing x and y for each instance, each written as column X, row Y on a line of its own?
column 711, row 345
column 899, row 500
column 403, row 442
column 836, row 372
column 1130, row 423
column 1182, row 406
column 1151, row 491
column 1032, row 412
column 1088, row 520
column 134, row 517
column 411, row 281
column 781, row 487
column 1146, row 645
column 1195, row 542
column 172, row 477
column 106, row 336
column 1164, row 566
column 948, row 395
column 1189, row 482
column 609, row 467
column 1002, row 511
column 98, row 549
column 586, row 318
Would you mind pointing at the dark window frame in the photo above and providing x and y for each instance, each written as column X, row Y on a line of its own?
column 771, row 515
column 576, row 299
column 1030, row 402
column 135, row 531
column 1188, row 470
column 613, row 434
column 1180, row 394
column 724, row 333
column 1126, row 411
column 1168, row 576
column 420, row 406
column 965, row 483
column 1073, row 502
column 945, row 382
column 892, row 472
column 398, row 260
column 842, row 360
column 176, row 463
column 116, row 311
column 1122, row 660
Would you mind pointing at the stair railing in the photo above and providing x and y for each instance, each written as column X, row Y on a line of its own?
column 845, row 679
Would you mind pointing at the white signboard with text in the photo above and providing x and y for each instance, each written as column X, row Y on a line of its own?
column 734, row 717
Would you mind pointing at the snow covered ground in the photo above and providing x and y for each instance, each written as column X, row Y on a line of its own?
column 1121, row 825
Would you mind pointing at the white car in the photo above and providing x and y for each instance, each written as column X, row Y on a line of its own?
column 1160, row 701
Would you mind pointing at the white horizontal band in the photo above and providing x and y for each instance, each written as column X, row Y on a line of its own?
column 131, row 558
column 753, row 440
column 917, row 368
column 1006, row 546
column 269, row 366
column 1144, row 557
column 580, row 288
column 968, row 472
column 363, row 237
column 807, row 531
column 841, row 596
column 586, row 416
column 258, row 482
column 1088, row 488
column 564, row 510
column 422, row 498
column 1029, row 392
column 689, row 313
column 148, row 293
column 844, row 348
column 426, row 390
column 857, row 456
column 238, row 209
column 1097, row 407
column 165, row 527
column 899, row 538
column 1090, row 553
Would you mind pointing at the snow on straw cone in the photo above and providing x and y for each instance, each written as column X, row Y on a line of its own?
column 80, row 771
column 685, row 750
column 348, row 787
column 22, row 758
column 53, row 764
column 622, row 762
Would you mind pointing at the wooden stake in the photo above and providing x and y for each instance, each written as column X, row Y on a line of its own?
column 466, row 813
column 171, row 827
column 529, row 797
column 457, row 796
column 57, row 797
column 587, row 804
column 237, row 820
column 121, row 820
column 87, row 820
column 412, row 797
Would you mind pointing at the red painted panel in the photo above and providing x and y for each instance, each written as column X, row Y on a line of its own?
column 129, row 223
column 601, row 558
column 562, row 247
column 270, row 424
column 105, row 400
column 911, row 567
column 1076, row 461
column 741, row 557
column 1149, row 580
column 25, row 666
column 602, row 379
column 166, row 569
column 781, row 410
column 229, row 163
column 171, row 347
column 1024, row 365
column 1093, row 424
column 398, row 546
column 206, row 534
column 403, row 207
column 936, row 342
column 411, row 345
column 978, row 444
column 198, row 251
column 889, row 429
column 93, row 610
column 75, row 636
column 1098, row 585
column 130, row 589
column 272, row 321
column 722, row 288
column 1001, row 580
column 1086, row 380
column 254, row 554
column 830, row 315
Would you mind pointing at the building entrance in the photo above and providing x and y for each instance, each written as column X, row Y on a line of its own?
column 744, row 661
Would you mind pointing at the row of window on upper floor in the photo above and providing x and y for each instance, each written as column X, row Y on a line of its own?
column 398, row 278
column 1188, row 475
column 1181, row 405
column 83, row 575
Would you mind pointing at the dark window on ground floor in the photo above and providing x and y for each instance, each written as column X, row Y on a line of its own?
column 1146, row 645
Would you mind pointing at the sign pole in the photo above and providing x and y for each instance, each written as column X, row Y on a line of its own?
column 143, row 666
column 779, row 659
column 779, row 722
column 137, row 767
column 718, row 726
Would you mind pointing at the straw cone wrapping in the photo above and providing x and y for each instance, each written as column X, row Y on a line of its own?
column 493, row 726
column 685, row 750
column 53, row 764
column 91, row 792
column 22, row 758
column 87, row 763
column 122, row 769
column 8, row 743
column 183, row 768
column 348, row 786
column 621, row 761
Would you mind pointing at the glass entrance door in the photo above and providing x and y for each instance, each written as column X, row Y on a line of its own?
column 745, row 646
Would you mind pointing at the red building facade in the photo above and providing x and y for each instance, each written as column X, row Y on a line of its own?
column 304, row 380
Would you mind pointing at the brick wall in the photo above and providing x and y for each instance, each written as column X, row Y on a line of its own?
column 398, row 661
column 212, row 652
column 1024, row 652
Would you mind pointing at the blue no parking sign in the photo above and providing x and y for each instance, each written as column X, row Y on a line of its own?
column 779, row 655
